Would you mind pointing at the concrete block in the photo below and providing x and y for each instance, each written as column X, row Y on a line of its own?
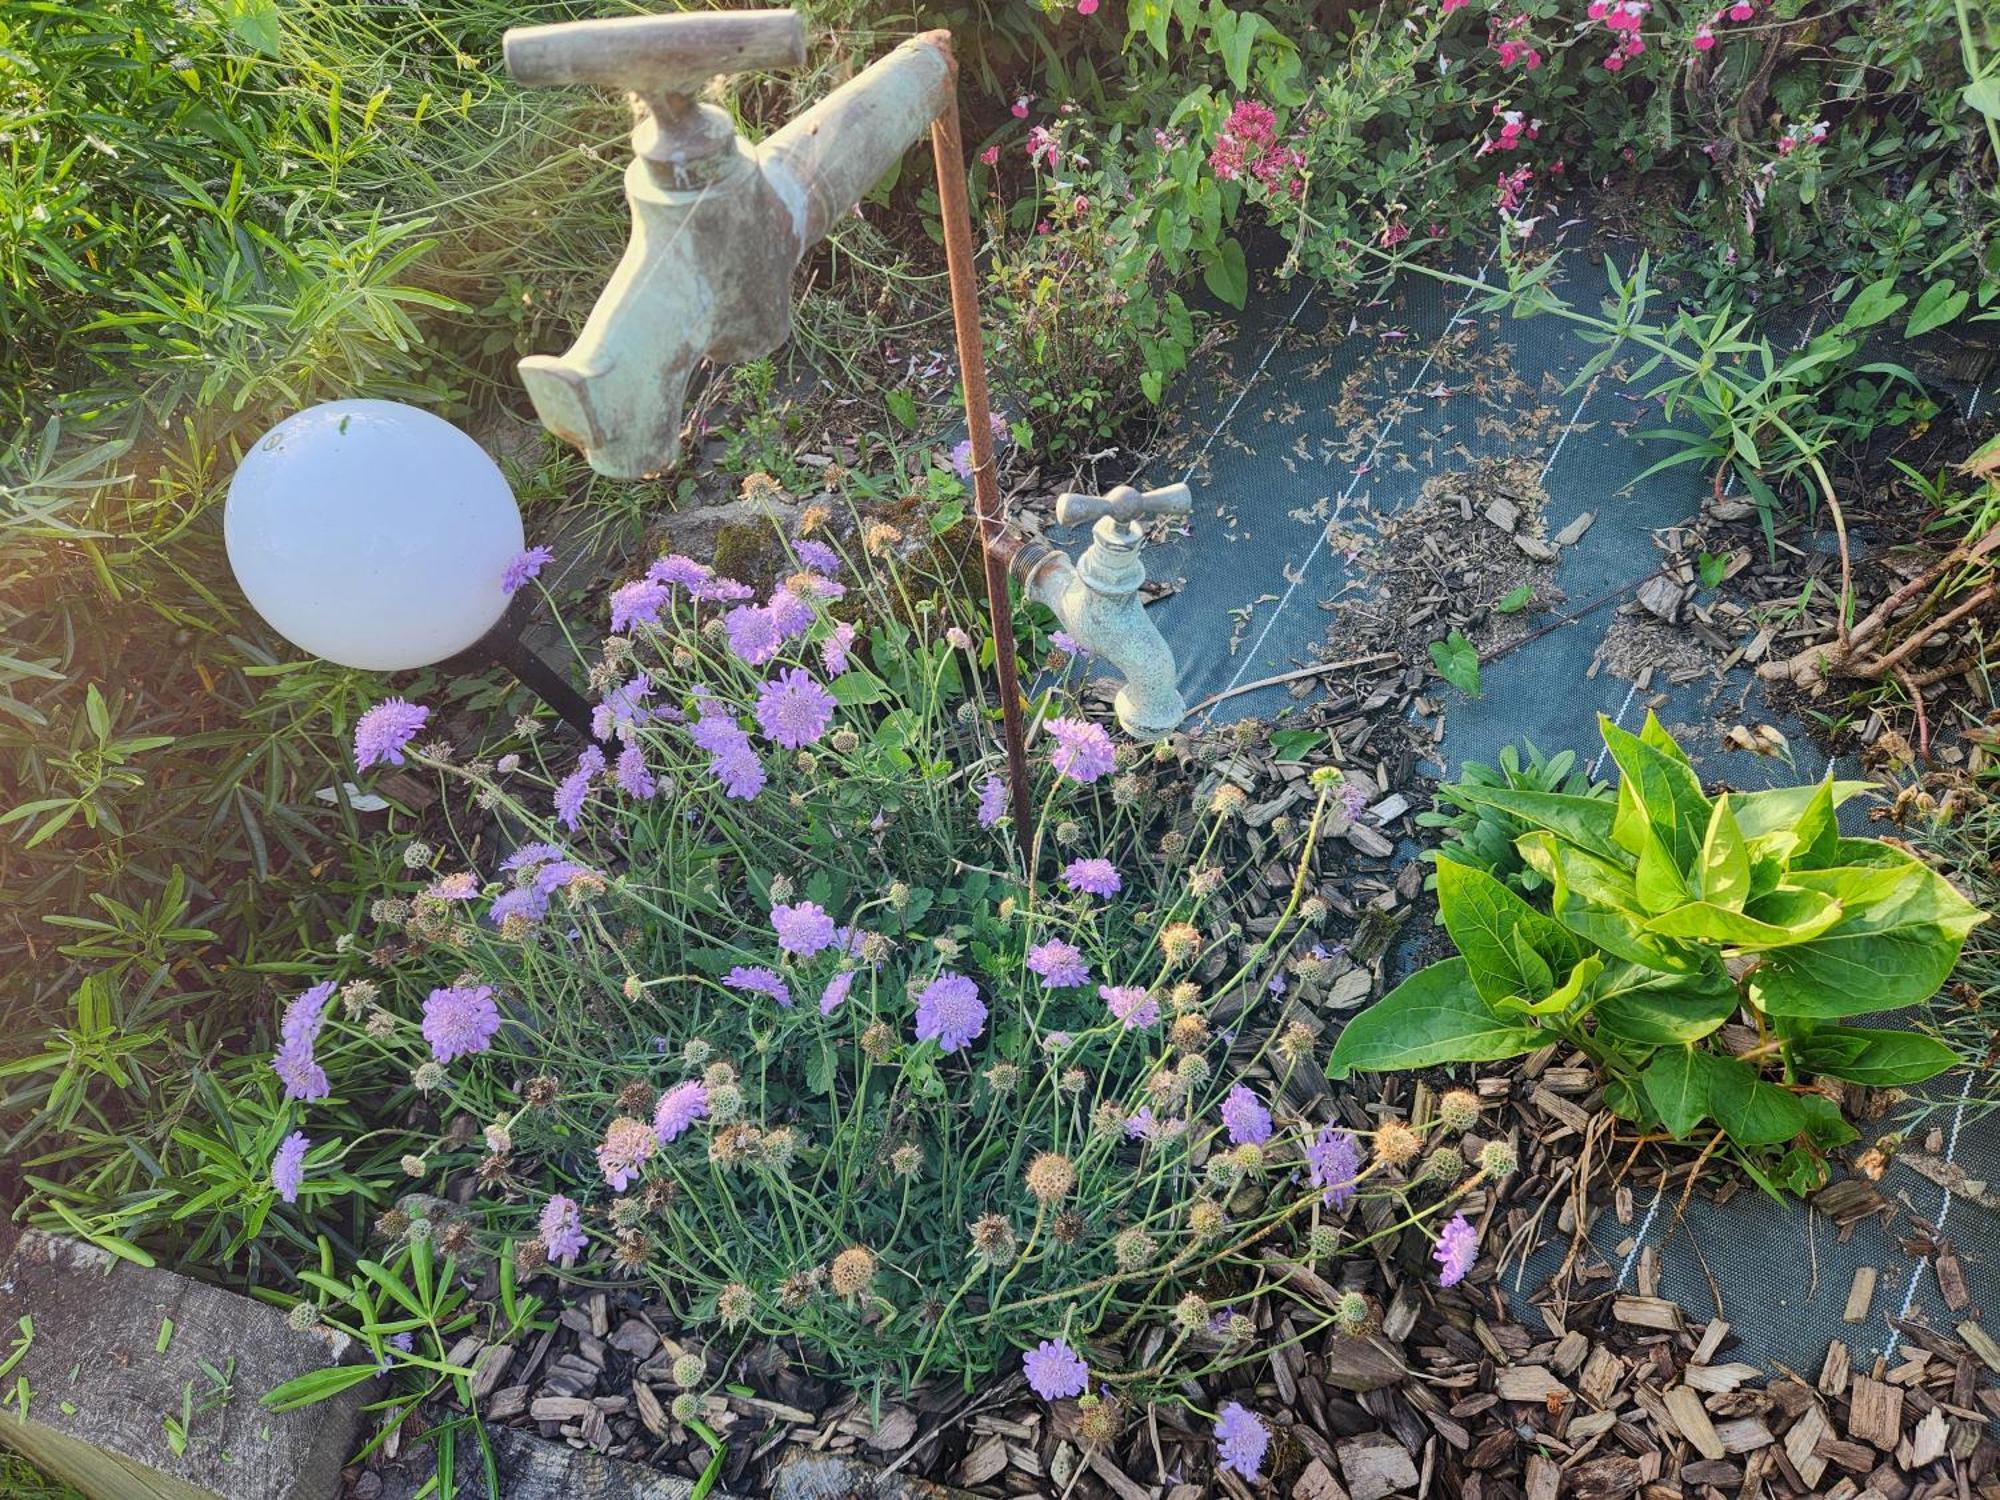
column 101, row 1392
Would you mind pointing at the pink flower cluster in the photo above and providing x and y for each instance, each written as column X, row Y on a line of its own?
column 1795, row 136
column 1513, row 46
column 1621, row 18
column 1248, row 146
column 1515, row 128
column 1704, row 34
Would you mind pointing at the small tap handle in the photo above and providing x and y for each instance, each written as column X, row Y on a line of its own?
column 1123, row 504
column 660, row 58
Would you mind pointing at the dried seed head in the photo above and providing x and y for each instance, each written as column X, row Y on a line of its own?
column 1068, row 1227
column 852, row 1272
column 733, row 1145
column 1180, row 942
column 717, row 1075
column 1107, row 1120
column 876, row 948
column 781, row 889
column 1295, row 1042
column 626, row 1213
column 456, row 1238
column 1098, row 1421
column 906, row 1160
column 1191, row 1313
column 1248, row 1158
column 1050, row 1176
column 1396, row 1144
column 1072, row 1081
column 636, row 1098
column 1324, row 1242
column 686, row 1407
column 993, row 1240
column 529, row 1257
column 725, row 1103
column 389, row 911
column 1173, row 844
column 1193, row 1070
column 1496, row 1159
column 1184, row 996
column 632, row 1252
column 734, row 1304
column 845, row 741
column 1189, row 1032
column 1068, row 832
column 1458, row 1111
column 304, row 1317
column 417, row 855
column 1313, row 911
column 1351, row 1313
column 392, row 1224
column 797, row 1289
column 948, row 947
column 1132, row 1249
column 540, row 1091
column 878, row 1041
column 1003, row 1078
column 1228, row 800
column 1205, row 1218
column 689, row 1371
column 357, row 995
column 413, row 1165
column 1241, row 1328
column 781, row 1146
column 1126, row 791
column 492, row 1171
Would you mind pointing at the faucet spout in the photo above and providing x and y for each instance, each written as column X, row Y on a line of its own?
column 718, row 227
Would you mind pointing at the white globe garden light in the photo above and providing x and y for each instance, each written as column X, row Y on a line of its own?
column 372, row 534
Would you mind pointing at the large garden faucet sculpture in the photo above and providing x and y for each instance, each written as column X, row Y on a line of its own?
column 1097, row 598
column 718, row 225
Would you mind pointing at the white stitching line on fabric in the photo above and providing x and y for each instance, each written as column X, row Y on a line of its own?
column 1367, row 463
column 1944, row 1212
column 1255, row 375
column 1639, row 1243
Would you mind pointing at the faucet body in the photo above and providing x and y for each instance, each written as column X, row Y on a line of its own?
column 718, row 226
column 1097, row 600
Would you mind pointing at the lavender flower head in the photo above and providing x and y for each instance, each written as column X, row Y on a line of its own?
column 817, row 556
column 623, row 708
column 740, row 773
column 382, row 732
column 524, row 567
column 637, row 603
column 460, row 1021
column 633, row 777
column 1353, row 797
column 1068, row 644
column 804, row 929
column 678, row 1109
column 835, row 994
column 1093, row 877
column 625, row 1149
column 288, row 1166
column 753, row 633
column 759, row 980
column 562, row 1230
column 1457, row 1248
column 836, row 648
column 304, row 1079
column 1060, row 964
column 1055, row 1370
column 1246, row 1119
column 791, row 614
column 676, row 571
column 1134, row 1006
column 992, row 801
column 950, row 1012
column 1083, row 750
column 574, row 789
column 961, row 459
column 1334, row 1162
column 1241, row 1439
column 794, row 710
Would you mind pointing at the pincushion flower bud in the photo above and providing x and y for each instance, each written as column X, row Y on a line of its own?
column 303, row 1318
column 1442, row 1167
column 633, row 989
column 1050, row 1176
column 686, row 1407
column 1068, row 832
column 733, row 1304
column 689, row 1370
column 1496, row 1159
column 1396, row 1144
column 413, row 1166
column 1191, row 1313
column 1324, row 1242
column 899, row 895
column 1458, row 1111
column 1205, row 1218
column 1350, row 1313
column 845, row 741
column 1132, row 1249
column 498, row 1140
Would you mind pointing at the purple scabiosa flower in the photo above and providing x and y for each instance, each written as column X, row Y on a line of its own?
column 676, row 571
column 529, row 855
column 288, row 1166
column 1068, row 644
column 637, row 603
column 961, row 459
column 1135, row 1008
column 382, row 732
column 715, row 729
column 627, row 1146
column 992, row 801
column 1055, row 1370
column 817, row 556
column 753, row 633
column 804, row 929
column 1457, row 1248
column 623, row 708
column 835, row 650
column 1334, row 1162
column 303, row 1077
column 1354, row 797
column 633, row 777
column 1241, row 1439
column 713, row 590
column 461, row 885
column 306, row 1014
column 835, row 994
column 562, row 1230
column 791, row 614
column 522, row 901
column 678, row 1109
column 523, row 567
column 793, row 710
column 460, row 1020
column 1244, row 1115
column 1060, row 964
column 1093, row 877
column 402, row 1342
column 950, row 1012
column 1083, row 750
column 740, row 772
column 759, row 981
column 574, row 790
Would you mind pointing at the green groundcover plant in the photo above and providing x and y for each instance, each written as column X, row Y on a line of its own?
column 1670, row 913
column 757, row 1002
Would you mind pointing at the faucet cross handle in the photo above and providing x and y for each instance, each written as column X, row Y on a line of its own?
column 665, row 60
column 1123, row 503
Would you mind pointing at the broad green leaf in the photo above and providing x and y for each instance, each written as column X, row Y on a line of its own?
column 1658, row 883
column 1228, row 274
column 1779, row 920
column 1457, row 661
column 1826, row 1127
column 1595, row 899
column 1783, row 809
column 1880, row 1059
column 1585, row 821
column 1515, row 600
column 1753, row 1112
column 1873, row 303
column 1899, row 934
column 1654, row 733
column 1653, row 1009
column 1983, row 95
column 1665, row 791
column 1940, row 304
column 1434, row 1016
column 1485, row 919
column 256, row 23
column 1677, row 1088
column 1725, row 860
column 1563, row 996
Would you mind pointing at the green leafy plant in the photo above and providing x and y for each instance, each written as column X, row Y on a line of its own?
column 1457, row 661
column 1483, row 835
column 1672, row 913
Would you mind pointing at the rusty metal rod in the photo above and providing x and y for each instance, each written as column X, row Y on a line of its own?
column 954, row 208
